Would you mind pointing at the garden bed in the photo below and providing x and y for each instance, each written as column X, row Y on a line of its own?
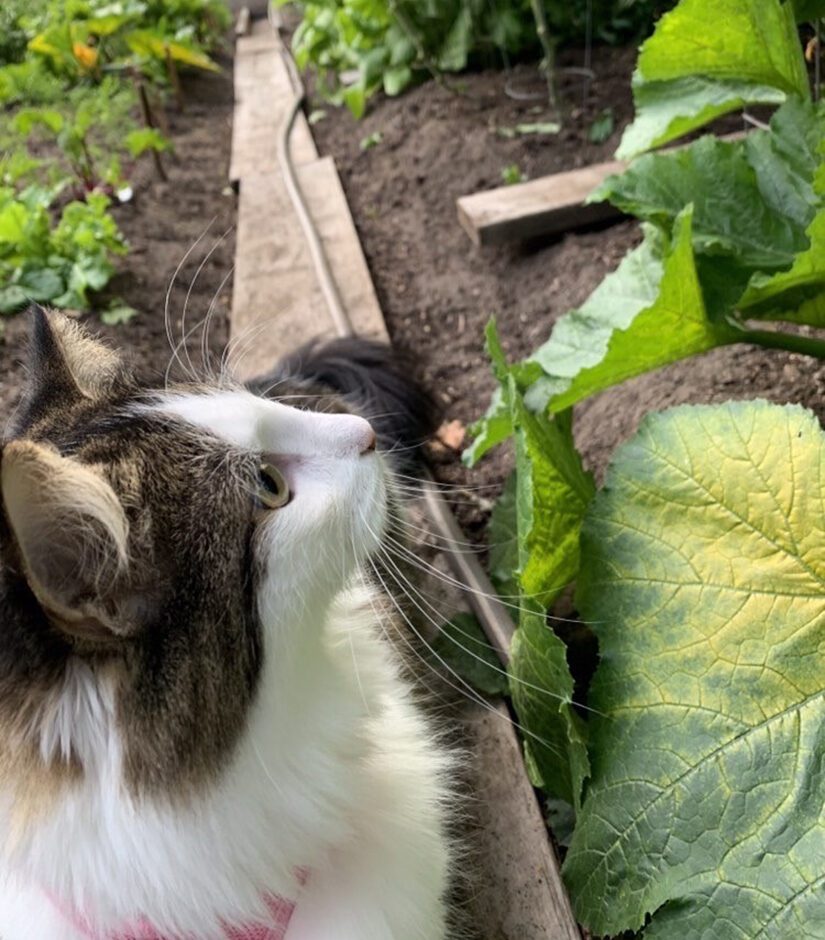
column 437, row 290
column 161, row 224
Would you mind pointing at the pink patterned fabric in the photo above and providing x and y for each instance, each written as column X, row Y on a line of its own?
column 280, row 909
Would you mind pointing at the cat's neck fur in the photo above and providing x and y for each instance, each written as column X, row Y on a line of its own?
column 277, row 810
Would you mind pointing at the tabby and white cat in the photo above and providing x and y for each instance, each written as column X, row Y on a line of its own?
column 203, row 733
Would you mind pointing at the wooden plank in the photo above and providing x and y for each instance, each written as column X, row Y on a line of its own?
column 243, row 22
column 545, row 206
column 277, row 302
column 263, row 98
column 516, row 891
column 549, row 205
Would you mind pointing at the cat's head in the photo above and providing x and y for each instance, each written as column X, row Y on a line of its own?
column 157, row 546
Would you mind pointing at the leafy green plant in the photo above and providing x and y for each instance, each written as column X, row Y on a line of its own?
column 94, row 129
column 733, row 236
column 84, row 38
column 512, row 174
column 696, row 777
column 70, row 84
column 60, row 262
column 692, row 760
column 387, row 43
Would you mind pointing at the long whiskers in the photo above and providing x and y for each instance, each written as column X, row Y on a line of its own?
column 166, row 319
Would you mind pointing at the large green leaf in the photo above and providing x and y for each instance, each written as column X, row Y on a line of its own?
column 666, row 111
column 796, row 295
column 703, row 574
column 709, row 57
column 730, row 214
column 552, row 493
column 648, row 313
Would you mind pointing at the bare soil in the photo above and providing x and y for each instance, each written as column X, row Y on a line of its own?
column 438, row 290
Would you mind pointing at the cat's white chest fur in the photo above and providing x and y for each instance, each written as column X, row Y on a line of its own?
column 336, row 775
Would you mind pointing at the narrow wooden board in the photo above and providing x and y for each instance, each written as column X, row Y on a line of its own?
column 263, row 98
column 516, row 888
column 549, row 205
column 277, row 302
column 545, row 206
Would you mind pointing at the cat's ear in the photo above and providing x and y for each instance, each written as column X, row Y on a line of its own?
column 72, row 537
column 66, row 363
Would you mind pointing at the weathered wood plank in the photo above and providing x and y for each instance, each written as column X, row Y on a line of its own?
column 545, row 206
column 516, row 890
column 549, row 205
column 263, row 98
column 277, row 302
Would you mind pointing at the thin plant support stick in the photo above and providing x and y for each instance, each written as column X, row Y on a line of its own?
column 818, row 61
column 549, row 63
column 150, row 123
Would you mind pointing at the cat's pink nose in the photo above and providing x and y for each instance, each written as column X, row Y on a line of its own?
column 354, row 434
column 370, row 441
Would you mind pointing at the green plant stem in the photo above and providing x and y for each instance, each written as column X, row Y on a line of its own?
column 549, row 64
column 149, row 122
column 807, row 345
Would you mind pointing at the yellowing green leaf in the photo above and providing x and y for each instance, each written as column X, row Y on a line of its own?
column 157, row 46
column 703, row 574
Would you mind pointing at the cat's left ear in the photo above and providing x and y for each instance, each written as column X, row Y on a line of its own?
column 65, row 364
column 72, row 536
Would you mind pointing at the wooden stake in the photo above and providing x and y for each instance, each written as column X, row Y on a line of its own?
column 549, row 64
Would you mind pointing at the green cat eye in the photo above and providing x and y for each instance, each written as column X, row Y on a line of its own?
column 273, row 491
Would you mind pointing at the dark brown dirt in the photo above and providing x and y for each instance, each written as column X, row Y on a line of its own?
column 437, row 290
column 161, row 224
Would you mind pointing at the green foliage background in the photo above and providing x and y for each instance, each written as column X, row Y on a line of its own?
column 390, row 42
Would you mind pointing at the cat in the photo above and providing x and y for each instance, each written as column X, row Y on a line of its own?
column 203, row 733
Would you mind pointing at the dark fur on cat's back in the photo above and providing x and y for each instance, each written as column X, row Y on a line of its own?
column 188, row 645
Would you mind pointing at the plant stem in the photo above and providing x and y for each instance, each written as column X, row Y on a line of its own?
column 147, row 120
column 547, row 44
column 818, row 60
column 807, row 345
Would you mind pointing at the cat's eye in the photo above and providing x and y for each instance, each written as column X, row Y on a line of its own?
column 273, row 490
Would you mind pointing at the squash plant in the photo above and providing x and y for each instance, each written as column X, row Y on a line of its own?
column 694, row 763
column 733, row 231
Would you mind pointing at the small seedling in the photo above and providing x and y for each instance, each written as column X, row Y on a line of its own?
column 602, row 127
column 371, row 140
column 512, row 174
column 117, row 313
